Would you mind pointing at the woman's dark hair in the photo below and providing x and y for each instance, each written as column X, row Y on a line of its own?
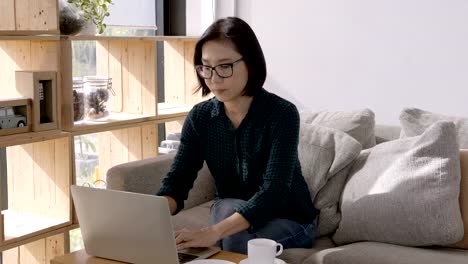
column 241, row 35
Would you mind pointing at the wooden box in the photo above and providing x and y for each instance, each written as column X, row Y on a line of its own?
column 41, row 87
column 10, row 123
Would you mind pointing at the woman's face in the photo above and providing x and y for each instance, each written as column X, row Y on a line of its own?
column 216, row 52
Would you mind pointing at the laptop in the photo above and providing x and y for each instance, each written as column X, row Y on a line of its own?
column 129, row 227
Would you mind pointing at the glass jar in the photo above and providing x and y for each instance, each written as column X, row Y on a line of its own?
column 78, row 99
column 97, row 93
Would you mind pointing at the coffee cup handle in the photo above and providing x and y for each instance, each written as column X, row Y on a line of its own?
column 278, row 245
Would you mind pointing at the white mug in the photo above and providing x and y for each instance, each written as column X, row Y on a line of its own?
column 263, row 251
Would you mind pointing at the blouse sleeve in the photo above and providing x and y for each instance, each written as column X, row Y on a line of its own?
column 187, row 162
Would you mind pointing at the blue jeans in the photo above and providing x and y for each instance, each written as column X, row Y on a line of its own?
column 287, row 232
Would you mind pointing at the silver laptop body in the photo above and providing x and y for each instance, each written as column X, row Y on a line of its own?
column 129, row 227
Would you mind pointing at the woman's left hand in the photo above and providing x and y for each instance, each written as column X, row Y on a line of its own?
column 204, row 237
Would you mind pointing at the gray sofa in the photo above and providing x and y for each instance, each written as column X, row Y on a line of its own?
column 144, row 177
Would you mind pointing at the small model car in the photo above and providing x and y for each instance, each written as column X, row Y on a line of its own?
column 8, row 118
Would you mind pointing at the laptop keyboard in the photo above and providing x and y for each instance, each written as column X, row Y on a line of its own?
column 183, row 258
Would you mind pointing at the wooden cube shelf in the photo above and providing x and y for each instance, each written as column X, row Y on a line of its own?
column 41, row 87
column 15, row 116
column 38, row 179
column 132, row 65
column 96, row 153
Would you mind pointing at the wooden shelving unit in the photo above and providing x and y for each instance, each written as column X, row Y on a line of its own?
column 42, row 164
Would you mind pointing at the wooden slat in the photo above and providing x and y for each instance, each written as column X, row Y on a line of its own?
column 102, row 58
column 149, row 141
column 174, row 79
column 45, row 55
column 115, row 71
column 11, row 256
column 37, row 15
column 117, row 141
column 104, row 150
column 7, row 15
column 65, row 87
column 20, row 170
column 136, row 54
column 191, row 81
column 23, row 55
column 33, row 253
column 149, row 93
column 63, row 178
column 55, row 246
column 43, row 177
column 125, row 75
column 7, row 67
column 135, row 144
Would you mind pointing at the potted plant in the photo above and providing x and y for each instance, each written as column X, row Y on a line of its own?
column 94, row 10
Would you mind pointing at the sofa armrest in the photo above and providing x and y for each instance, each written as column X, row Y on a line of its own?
column 464, row 196
column 144, row 176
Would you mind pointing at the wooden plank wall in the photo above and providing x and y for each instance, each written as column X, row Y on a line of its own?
column 25, row 55
column 28, row 55
column 179, row 74
column 36, row 15
column 37, row 252
column 124, row 145
column 180, row 78
column 39, row 176
column 7, row 20
column 132, row 66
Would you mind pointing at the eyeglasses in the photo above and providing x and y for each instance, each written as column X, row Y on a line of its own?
column 222, row 70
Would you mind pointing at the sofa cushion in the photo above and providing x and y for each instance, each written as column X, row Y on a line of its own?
column 374, row 252
column 405, row 192
column 298, row 255
column 415, row 121
column 324, row 154
column 193, row 218
column 359, row 123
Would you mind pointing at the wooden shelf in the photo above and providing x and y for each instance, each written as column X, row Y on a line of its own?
column 41, row 165
column 167, row 112
column 141, row 38
column 31, row 137
column 35, row 237
column 34, row 37
column 19, row 225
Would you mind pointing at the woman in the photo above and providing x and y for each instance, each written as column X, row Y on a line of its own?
column 248, row 138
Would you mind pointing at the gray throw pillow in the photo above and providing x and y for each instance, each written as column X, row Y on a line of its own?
column 414, row 121
column 325, row 154
column 405, row 192
column 358, row 123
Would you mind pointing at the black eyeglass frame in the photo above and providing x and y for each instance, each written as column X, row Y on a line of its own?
column 231, row 65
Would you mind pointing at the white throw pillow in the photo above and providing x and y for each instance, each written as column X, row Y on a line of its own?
column 357, row 123
column 325, row 154
column 405, row 192
column 415, row 121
